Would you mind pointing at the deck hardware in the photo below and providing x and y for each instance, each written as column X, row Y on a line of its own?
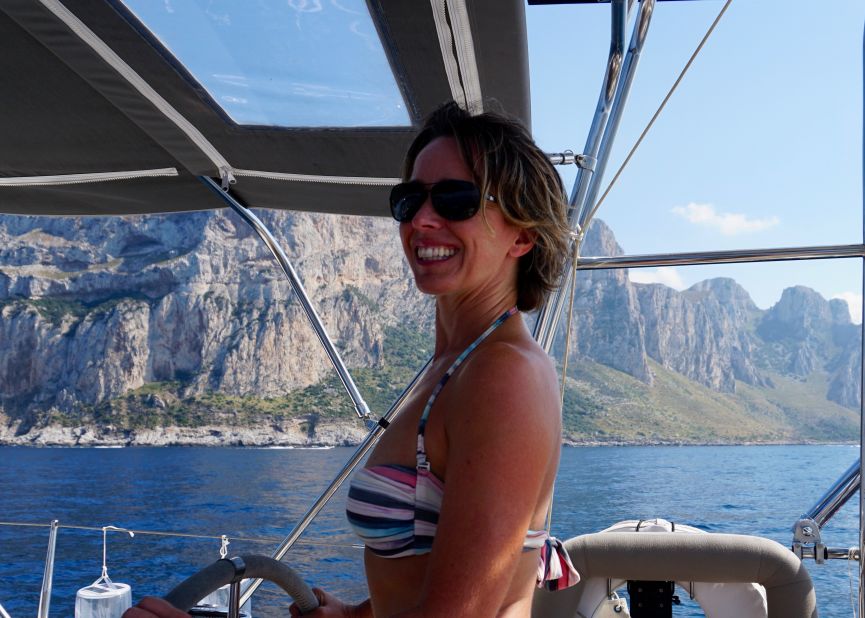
column 226, row 178
column 567, row 157
column 807, row 538
column 652, row 599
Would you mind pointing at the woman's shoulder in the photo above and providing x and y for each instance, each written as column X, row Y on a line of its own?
column 509, row 381
column 514, row 362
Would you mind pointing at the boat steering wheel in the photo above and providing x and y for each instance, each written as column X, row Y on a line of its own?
column 230, row 570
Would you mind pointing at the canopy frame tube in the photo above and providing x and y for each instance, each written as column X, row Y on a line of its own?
column 783, row 254
column 48, row 575
column 611, row 103
column 266, row 236
column 861, row 590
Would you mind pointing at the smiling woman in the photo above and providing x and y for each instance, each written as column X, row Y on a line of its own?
column 471, row 459
column 516, row 179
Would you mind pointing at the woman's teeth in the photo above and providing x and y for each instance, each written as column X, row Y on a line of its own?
column 435, row 253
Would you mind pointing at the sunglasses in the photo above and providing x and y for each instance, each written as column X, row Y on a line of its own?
column 454, row 200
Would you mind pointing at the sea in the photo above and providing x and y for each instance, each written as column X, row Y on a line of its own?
column 181, row 501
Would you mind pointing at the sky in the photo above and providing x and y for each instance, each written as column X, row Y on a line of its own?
column 761, row 145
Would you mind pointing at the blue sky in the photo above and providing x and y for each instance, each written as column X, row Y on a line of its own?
column 761, row 146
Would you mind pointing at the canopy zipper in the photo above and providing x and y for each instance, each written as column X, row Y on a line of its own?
column 333, row 180
column 458, row 53
column 78, row 179
column 136, row 81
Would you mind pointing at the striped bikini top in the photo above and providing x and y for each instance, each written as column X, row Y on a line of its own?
column 394, row 509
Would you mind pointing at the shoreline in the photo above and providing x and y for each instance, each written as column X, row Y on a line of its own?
column 324, row 435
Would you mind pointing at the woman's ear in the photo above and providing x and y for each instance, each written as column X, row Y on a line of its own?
column 523, row 243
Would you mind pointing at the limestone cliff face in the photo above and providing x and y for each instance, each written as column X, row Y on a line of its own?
column 712, row 333
column 94, row 308
column 702, row 333
column 608, row 325
column 806, row 333
column 91, row 308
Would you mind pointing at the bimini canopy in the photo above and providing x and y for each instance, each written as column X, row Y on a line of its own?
column 113, row 107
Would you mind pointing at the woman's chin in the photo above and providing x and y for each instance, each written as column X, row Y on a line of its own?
column 434, row 284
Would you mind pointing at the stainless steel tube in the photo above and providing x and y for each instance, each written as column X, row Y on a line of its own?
column 832, row 553
column 234, row 600
column 48, row 575
column 335, row 484
column 836, row 497
column 545, row 325
column 598, row 146
column 861, row 603
column 722, row 257
column 618, row 26
column 345, row 377
column 629, row 70
column 840, row 553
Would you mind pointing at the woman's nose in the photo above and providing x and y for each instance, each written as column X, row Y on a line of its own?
column 427, row 216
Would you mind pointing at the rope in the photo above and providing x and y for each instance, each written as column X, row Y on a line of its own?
column 187, row 535
column 574, row 257
column 659, row 110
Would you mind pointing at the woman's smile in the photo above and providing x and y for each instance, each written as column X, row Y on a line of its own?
column 434, row 254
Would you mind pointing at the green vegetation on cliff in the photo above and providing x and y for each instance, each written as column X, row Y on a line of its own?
column 605, row 405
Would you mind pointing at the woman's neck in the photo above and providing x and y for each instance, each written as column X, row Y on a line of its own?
column 459, row 321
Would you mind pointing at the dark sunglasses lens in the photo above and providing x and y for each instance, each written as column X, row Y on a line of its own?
column 406, row 199
column 456, row 200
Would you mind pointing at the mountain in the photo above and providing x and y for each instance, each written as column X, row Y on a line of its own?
column 789, row 373
column 180, row 329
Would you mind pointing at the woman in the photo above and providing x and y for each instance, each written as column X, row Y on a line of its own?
column 453, row 499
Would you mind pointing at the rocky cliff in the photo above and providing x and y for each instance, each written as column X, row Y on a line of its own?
column 92, row 309
column 180, row 329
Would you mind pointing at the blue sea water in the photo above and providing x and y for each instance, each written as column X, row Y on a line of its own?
column 256, row 495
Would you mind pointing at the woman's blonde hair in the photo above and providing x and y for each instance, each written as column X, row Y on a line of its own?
column 506, row 163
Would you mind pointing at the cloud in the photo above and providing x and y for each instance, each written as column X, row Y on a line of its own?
column 663, row 274
column 728, row 223
column 854, row 303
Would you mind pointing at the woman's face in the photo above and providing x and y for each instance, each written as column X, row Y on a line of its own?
column 475, row 256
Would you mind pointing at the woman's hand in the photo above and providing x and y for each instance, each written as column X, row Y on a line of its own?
column 151, row 607
column 330, row 606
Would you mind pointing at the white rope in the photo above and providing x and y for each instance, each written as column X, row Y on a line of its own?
column 104, row 579
column 659, row 110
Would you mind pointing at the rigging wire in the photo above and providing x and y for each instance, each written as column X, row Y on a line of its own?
column 659, row 110
column 187, row 535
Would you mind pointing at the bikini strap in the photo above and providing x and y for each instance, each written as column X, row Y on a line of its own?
column 422, row 462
